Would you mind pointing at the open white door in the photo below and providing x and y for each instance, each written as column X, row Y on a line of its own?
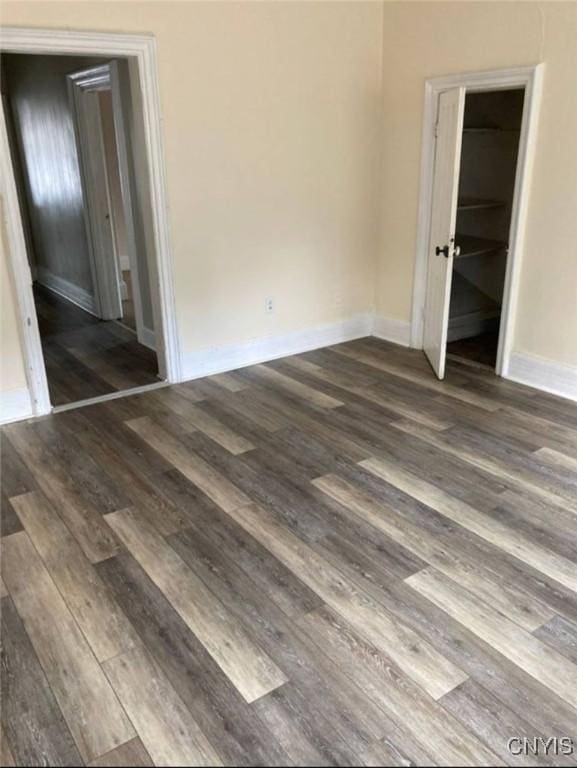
column 449, row 133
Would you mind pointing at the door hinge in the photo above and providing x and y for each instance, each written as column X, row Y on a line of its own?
column 436, row 130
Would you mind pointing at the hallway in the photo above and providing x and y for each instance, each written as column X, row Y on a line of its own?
column 87, row 357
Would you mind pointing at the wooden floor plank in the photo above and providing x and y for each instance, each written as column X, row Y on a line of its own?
column 243, row 552
column 423, row 380
column 165, row 725
column 523, row 649
column 394, row 406
column 317, row 703
column 251, row 671
column 6, row 756
column 294, row 387
column 129, row 755
column 103, row 624
column 216, row 487
column 431, row 727
column 197, row 418
column 83, row 519
column 271, row 576
column 558, row 568
column 32, row 722
column 444, row 554
column 494, row 724
column 409, row 651
column 561, row 634
column 94, row 716
column 215, row 703
column 521, row 478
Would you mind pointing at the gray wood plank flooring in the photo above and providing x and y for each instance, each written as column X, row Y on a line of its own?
column 330, row 559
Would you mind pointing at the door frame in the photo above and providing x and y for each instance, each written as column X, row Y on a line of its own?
column 106, row 77
column 529, row 78
column 141, row 49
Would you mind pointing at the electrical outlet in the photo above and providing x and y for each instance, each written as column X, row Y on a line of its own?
column 269, row 305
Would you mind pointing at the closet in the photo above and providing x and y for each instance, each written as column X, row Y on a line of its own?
column 489, row 148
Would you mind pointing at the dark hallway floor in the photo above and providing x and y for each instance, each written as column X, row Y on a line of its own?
column 87, row 357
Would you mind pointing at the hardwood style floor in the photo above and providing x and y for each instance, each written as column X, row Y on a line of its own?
column 331, row 559
column 87, row 357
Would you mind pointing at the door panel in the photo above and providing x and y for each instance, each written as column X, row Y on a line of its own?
column 94, row 177
column 443, row 220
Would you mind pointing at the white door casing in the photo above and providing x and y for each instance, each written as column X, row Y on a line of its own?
column 530, row 79
column 126, row 178
column 449, row 131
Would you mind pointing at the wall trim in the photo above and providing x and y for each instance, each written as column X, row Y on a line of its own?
column 15, row 405
column 533, row 371
column 68, row 290
column 206, row 362
column 147, row 338
column 547, row 375
column 390, row 329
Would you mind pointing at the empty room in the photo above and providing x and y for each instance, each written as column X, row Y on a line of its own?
column 288, row 383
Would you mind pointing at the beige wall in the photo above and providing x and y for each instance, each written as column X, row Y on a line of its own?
column 271, row 146
column 274, row 121
column 423, row 40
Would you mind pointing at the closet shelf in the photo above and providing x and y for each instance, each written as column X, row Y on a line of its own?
column 480, row 129
column 471, row 203
column 477, row 246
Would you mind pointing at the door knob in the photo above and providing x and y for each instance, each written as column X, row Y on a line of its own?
column 444, row 250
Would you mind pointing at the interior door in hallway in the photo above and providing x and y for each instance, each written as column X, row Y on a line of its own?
column 84, row 88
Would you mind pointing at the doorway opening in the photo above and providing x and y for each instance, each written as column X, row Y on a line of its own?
column 489, row 150
column 76, row 145
column 479, row 138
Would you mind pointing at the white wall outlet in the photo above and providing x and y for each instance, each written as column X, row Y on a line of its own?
column 269, row 305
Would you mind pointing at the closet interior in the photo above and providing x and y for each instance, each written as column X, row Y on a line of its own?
column 491, row 131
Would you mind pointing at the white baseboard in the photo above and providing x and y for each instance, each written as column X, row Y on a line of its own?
column 15, row 405
column 206, row 362
column 543, row 374
column 146, row 338
column 67, row 290
column 389, row 329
